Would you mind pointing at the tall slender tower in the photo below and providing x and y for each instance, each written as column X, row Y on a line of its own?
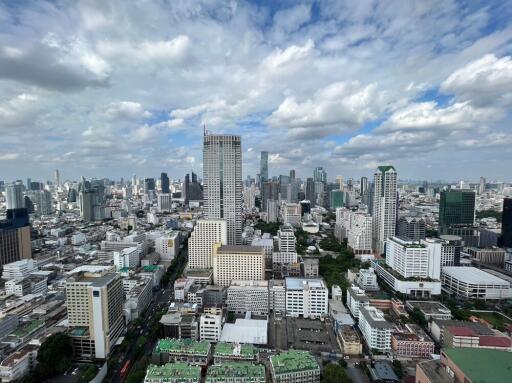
column 222, row 178
column 56, row 175
column 264, row 167
column 385, row 203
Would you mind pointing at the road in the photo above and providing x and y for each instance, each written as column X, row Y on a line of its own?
column 356, row 374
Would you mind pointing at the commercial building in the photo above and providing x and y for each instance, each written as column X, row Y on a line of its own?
column 412, row 344
column 375, row 328
column 137, row 299
column 95, row 313
column 18, row 364
column 337, row 199
column 411, row 228
column 222, row 179
column 14, row 196
column 177, row 372
column 237, row 263
column 164, row 201
column 359, row 234
column 506, row 223
column 356, row 298
column 473, row 283
column 385, row 204
column 15, row 242
column 456, row 208
column 18, row 269
column 244, row 296
column 168, row 245
column 236, row 372
column 225, row 352
column 277, row 295
column 128, row 257
column 181, row 350
column 367, row 279
column 206, row 233
column 263, row 166
column 490, row 256
column 306, row 297
column 430, row 309
column 291, row 213
column 350, row 340
column 250, row 331
column 179, row 325
column 294, row 367
column 210, row 327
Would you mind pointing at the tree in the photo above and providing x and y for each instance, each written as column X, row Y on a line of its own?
column 397, row 367
column 419, row 317
column 334, row 373
column 88, row 374
column 54, row 356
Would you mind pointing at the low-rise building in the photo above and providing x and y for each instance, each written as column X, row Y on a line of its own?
column 225, row 351
column 210, row 327
column 356, row 298
column 412, row 344
column 138, row 299
column 18, row 364
column 430, row 309
column 367, row 279
column 350, row 340
column 236, row 372
column 182, row 287
column 179, row 325
column 473, row 283
column 490, row 256
column 243, row 296
column 306, row 297
column 181, row 350
column 294, row 367
column 277, row 295
column 19, row 269
column 177, row 372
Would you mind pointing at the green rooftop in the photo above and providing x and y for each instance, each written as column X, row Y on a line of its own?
column 235, row 350
column 179, row 372
column 498, row 364
column 28, row 328
column 183, row 346
column 249, row 371
column 293, row 361
column 150, row 268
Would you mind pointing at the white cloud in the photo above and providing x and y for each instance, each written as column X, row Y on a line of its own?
column 125, row 110
column 9, row 156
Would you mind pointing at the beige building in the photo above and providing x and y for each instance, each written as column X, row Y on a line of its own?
column 237, row 263
column 206, row 233
column 95, row 313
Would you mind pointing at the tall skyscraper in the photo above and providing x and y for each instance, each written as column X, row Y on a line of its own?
column 384, row 206
column 320, row 175
column 14, row 195
column 149, row 184
column 56, row 176
column 164, row 181
column 292, row 174
column 456, row 208
column 44, row 202
column 192, row 190
column 506, row 223
column 269, row 191
column 15, row 242
column 363, row 185
column 264, row 167
column 481, row 185
column 309, row 190
column 339, row 181
column 222, row 178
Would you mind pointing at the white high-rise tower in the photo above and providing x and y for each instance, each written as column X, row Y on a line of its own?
column 384, row 206
column 222, row 177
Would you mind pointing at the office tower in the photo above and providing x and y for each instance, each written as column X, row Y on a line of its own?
column 264, row 167
column 306, row 297
column 269, row 191
column 291, row 213
column 95, row 313
column 29, row 205
column 292, row 174
column 56, row 177
column 310, row 191
column 339, row 181
column 29, row 182
column 359, row 234
column 450, row 248
column 350, row 184
column 481, row 185
column 164, row 181
column 15, row 242
column 222, row 177
column 320, row 175
column 14, row 196
column 411, row 228
column 336, row 199
column 384, row 206
column 286, row 239
column 44, row 202
column 250, row 197
column 272, row 210
column 192, row 189
column 237, row 263
column 149, row 184
column 305, row 207
column 206, row 233
column 164, row 202
column 363, row 185
column 86, row 205
column 72, row 195
column 456, row 208
column 506, row 223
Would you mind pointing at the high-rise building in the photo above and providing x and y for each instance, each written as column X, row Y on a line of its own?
column 164, row 183
column 320, row 175
column 363, row 185
column 336, row 199
column 95, row 313
column 456, row 208
column 292, row 174
column 269, row 191
column 15, row 242
column 206, row 233
column 481, row 185
column 14, row 196
column 149, row 184
column 264, row 167
column 222, row 177
column 385, row 202
column 192, row 189
column 339, row 181
column 506, row 223
column 310, row 191
column 87, row 205
column 44, row 202
column 56, row 176
column 411, row 228
column 237, row 263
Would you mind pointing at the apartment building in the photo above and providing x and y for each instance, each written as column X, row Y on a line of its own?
column 294, row 367
column 306, row 297
column 356, row 298
column 237, row 262
column 253, row 296
column 375, row 328
column 210, row 327
column 206, row 233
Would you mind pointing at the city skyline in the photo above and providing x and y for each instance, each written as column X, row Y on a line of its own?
column 110, row 97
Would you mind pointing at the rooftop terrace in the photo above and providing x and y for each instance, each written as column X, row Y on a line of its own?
column 179, row 371
column 293, row 361
column 236, row 369
column 184, row 346
column 234, row 349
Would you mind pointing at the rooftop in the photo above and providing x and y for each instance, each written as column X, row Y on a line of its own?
column 239, row 249
column 435, row 371
column 176, row 370
column 429, row 307
column 184, row 346
column 471, row 360
column 299, row 283
column 472, row 275
column 374, row 317
column 235, row 349
column 293, row 361
column 236, row 369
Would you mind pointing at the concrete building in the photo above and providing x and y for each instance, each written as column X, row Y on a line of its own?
column 430, row 309
column 375, row 328
column 359, row 234
column 177, row 372
column 286, row 239
column 473, row 283
column 18, row 269
column 385, row 203
column 236, row 372
column 206, row 233
column 164, row 202
column 138, row 299
column 277, row 295
column 294, row 367
column 95, row 313
column 356, row 298
column 244, row 296
column 237, row 263
column 291, row 214
column 14, row 196
column 411, row 228
column 412, row 344
column 168, row 245
column 367, row 279
column 18, row 364
column 129, row 257
column 306, row 297
column 15, row 242
column 181, row 350
column 210, row 327
column 493, row 256
column 222, row 179
column 350, row 340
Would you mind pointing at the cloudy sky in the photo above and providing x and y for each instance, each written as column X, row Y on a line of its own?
column 116, row 88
